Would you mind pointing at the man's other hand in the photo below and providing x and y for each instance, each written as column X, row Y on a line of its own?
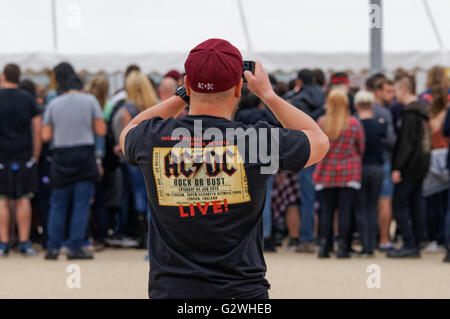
column 259, row 82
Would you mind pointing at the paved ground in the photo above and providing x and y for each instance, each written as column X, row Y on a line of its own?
column 124, row 273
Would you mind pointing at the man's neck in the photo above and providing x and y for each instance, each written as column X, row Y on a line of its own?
column 366, row 114
column 211, row 110
column 72, row 91
column 9, row 85
column 380, row 101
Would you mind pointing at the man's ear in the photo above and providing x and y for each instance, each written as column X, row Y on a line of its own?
column 238, row 89
column 186, row 85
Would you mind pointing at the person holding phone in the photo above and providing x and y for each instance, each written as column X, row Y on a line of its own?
column 207, row 194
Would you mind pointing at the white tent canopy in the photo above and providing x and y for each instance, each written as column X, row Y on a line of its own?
column 158, row 34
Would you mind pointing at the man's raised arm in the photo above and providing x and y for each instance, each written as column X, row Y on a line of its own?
column 288, row 115
column 170, row 107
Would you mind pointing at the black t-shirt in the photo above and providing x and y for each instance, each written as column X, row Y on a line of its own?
column 375, row 132
column 206, row 235
column 17, row 108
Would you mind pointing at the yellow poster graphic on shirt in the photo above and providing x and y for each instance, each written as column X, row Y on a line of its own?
column 186, row 176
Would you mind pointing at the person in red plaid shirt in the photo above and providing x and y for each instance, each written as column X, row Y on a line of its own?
column 338, row 175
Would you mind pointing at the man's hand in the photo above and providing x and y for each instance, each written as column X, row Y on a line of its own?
column 259, row 82
column 100, row 169
column 288, row 115
column 117, row 150
column 396, row 177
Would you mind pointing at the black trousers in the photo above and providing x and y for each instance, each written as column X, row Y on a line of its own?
column 372, row 178
column 341, row 199
column 436, row 210
column 409, row 211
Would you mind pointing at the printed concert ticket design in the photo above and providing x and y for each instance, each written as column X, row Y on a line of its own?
column 184, row 176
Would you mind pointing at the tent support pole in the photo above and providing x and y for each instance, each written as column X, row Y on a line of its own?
column 245, row 27
column 376, row 44
column 435, row 30
column 54, row 30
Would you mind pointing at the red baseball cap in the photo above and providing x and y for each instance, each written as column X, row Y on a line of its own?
column 174, row 74
column 214, row 65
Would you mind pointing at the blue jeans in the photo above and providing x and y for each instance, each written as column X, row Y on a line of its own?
column 307, row 197
column 134, row 186
column 138, row 188
column 387, row 187
column 77, row 196
column 267, row 213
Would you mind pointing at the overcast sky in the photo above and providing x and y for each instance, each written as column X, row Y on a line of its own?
column 138, row 26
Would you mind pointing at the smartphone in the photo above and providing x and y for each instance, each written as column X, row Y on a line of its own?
column 248, row 66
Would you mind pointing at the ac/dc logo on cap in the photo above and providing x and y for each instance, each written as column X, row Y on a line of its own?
column 205, row 86
column 215, row 65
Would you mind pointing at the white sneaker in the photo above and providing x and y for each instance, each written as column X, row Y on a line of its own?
column 29, row 252
column 128, row 242
column 431, row 247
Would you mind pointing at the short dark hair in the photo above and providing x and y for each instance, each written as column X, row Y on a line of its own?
column 318, row 77
column 291, row 84
column 281, row 88
column 63, row 71
column 380, row 83
column 371, row 80
column 12, row 73
column 306, row 75
column 74, row 83
column 249, row 101
column 131, row 68
column 29, row 86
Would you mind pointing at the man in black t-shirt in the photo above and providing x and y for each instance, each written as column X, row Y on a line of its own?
column 20, row 146
column 205, row 176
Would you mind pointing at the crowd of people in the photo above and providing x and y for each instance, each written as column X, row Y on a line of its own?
column 64, row 182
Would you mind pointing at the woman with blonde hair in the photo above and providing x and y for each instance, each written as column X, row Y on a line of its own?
column 140, row 96
column 98, row 86
column 338, row 175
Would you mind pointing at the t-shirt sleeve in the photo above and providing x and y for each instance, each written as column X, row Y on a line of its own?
column 294, row 149
column 96, row 109
column 35, row 110
column 290, row 147
column 135, row 150
column 48, row 118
